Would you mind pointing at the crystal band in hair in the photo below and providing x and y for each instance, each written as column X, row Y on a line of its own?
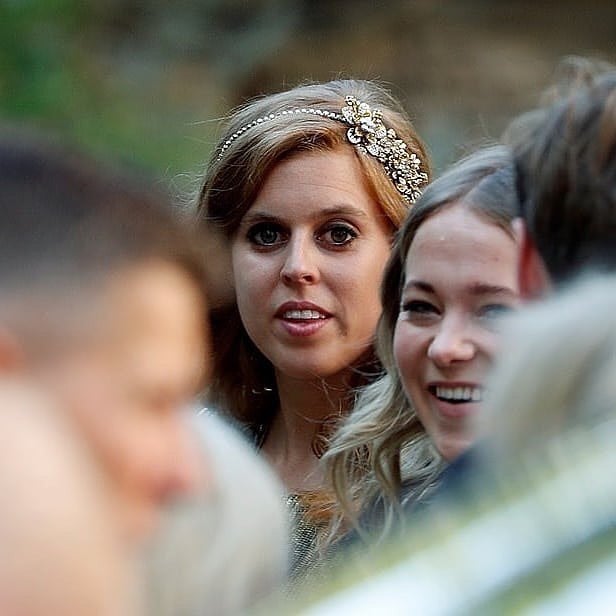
column 367, row 133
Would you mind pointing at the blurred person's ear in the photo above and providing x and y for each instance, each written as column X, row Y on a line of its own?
column 11, row 353
column 533, row 276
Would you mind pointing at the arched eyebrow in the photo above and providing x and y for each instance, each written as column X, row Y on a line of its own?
column 343, row 210
column 476, row 289
column 480, row 288
column 336, row 210
column 420, row 285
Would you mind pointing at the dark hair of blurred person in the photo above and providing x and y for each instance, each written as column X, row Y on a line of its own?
column 566, row 164
column 102, row 303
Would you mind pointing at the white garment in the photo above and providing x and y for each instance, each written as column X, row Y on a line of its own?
column 227, row 548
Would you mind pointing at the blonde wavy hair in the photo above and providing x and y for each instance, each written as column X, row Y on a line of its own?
column 382, row 446
column 243, row 382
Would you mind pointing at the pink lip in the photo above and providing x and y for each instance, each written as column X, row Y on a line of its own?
column 302, row 328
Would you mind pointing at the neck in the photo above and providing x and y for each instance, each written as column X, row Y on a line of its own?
column 304, row 406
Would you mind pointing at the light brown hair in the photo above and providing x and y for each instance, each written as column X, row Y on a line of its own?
column 243, row 379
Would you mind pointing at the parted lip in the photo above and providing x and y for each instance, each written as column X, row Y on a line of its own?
column 287, row 306
column 456, row 392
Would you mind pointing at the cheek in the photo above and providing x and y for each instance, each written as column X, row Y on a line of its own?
column 251, row 304
column 115, row 432
column 357, row 304
column 372, row 266
column 252, row 276
column 490, row 345
column 137, row 451
column 140, row 449
column 359, row 280
column 244, row 287
column 238, row 271
column 109, row 421
column 405, row 354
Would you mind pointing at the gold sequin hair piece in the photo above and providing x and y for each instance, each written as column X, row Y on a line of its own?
column 368, row 133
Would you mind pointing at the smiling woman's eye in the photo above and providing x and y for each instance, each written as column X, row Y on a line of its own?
column 338, row 234
column 418, row 308
column 266, row 234
column 491, row 314
column 494, row 311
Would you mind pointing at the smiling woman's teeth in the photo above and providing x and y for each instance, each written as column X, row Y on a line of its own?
column 303, row 315
column 459, row 394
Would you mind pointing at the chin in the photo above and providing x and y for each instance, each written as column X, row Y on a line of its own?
column 303, row 372
column 451, row 451
column 310, row 371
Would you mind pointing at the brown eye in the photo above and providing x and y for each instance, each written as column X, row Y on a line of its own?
column 265, row 234
column 338, row 235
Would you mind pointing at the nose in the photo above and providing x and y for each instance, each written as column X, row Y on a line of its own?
column 451, row 343
column 300, row 264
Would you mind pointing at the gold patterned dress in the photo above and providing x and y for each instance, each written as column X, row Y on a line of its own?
column 304, row 535
column 304, row 555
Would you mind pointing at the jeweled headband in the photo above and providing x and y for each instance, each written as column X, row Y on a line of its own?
column 367, row 133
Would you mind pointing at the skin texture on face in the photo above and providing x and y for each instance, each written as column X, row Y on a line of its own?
column 460, row 277
column 128, row 388
column 307, row 260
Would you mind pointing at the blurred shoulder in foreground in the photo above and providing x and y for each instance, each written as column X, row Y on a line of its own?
column 224, row 550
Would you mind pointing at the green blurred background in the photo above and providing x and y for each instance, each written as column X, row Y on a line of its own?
column 146, row 82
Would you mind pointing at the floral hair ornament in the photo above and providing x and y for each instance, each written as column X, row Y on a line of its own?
column 367, row 133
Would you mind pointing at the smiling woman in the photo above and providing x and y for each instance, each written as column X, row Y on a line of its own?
column 459, row 278
column 308, row 187
column 451, row 274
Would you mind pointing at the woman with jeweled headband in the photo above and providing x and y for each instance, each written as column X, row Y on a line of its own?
column 307, row 188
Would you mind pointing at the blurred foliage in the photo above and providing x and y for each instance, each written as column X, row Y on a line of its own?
column 37, row 76
column 56, row 74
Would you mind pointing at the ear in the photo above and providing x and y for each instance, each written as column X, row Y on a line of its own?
column 533, row 277
column 12, row 356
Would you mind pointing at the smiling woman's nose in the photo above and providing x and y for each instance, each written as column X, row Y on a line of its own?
column 451, row 344
column 300, row 265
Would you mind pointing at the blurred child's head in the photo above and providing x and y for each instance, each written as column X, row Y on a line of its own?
column 102, row 301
